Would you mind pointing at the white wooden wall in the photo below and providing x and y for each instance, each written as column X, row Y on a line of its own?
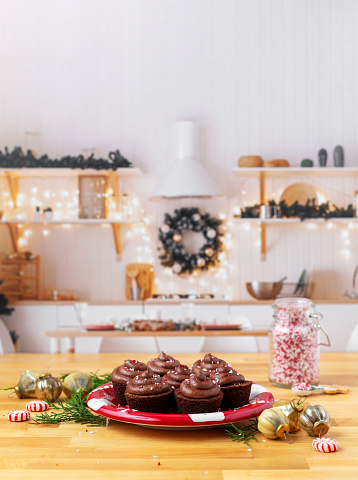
column 276, row 78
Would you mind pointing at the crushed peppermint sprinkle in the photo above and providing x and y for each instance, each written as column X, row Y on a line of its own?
column 92, row 432
column 249, row 450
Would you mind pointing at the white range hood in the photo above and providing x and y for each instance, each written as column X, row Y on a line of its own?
column 187, row 177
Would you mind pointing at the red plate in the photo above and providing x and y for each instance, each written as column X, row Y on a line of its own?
column 229, row 326
column 102, row 401
column 99, row 327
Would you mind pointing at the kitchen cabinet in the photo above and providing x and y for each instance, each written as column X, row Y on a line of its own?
column 21, row 277
column 264, row 173
column 13, row 175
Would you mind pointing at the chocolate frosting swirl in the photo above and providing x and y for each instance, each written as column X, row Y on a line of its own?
column 199, row 385
column 147, row 383
column 129, row 369
column 176, row 376
column 209, row 363
column 226, row 375
column 162, row 364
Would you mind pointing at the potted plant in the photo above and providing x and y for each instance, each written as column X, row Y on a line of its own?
column 5, row 310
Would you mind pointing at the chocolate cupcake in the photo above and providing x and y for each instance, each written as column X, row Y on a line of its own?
column 198, row 394
column 178, row 375
column 121, row 376
column 148, row 392
column 163, row 364
column 235, row 388
column 209, row 363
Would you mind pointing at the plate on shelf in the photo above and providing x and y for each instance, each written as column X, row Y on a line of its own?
column 99, row 327
column 102, row 401
column 229, row 326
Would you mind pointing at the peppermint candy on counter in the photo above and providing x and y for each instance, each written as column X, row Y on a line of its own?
column 37, row 406
column 325, row 445
column 295, row 352
column 18, row 416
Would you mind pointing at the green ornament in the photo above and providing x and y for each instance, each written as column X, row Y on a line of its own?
column 307, row 163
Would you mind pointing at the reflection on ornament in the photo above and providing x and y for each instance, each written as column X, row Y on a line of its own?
column 165, row 228
column 76, row 381
column 315, row 420
column 177, row 268
column 211, row 233
column 273, row 423
column 26, row 386
column 48, row 387
column 196, row 217
column 200, row 262
column 209, row 252
column 292, row 409
column 177, row 237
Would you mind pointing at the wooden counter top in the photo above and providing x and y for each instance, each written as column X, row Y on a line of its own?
column 130, row 452
column 155, row 301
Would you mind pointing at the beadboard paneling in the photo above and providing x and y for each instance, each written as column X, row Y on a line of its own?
column 275, row 78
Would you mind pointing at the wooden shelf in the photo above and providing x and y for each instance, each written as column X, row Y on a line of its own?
column 290, row 221
column 69, row 172
column 80, row 221
column 296, row 171
column 12, row 175
column 262, row 173
column 116, row 225
column 263, row 222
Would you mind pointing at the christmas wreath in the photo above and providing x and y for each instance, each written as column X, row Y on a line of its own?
column 172, row 252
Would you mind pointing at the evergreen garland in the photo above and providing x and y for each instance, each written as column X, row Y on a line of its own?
column 309, row 210
column 4, row 309
column 173, row 254
column 18, row 159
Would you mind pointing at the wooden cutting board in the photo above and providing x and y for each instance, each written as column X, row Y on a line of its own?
column 299, row 192
column 143, row 274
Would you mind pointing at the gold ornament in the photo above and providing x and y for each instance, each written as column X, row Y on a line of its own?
column 200, row 262
column 74, row 382
column 162, row 252
column 292, row 409
column 26, row 386
column 165, row 228
column 315, row 420
column 209, row 252
column 273, row 423
column 177, row 237
column 48, row 387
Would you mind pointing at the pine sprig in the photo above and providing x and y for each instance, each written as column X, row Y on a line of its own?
column 75, row 408
column 72, row 410
column 98, row 380
column 243, row 432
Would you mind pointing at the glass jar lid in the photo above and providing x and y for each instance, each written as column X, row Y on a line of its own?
column 292, row 302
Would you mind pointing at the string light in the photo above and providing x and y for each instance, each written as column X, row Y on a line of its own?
column 21, row 242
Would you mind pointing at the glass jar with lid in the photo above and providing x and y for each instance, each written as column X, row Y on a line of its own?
column 294, row 353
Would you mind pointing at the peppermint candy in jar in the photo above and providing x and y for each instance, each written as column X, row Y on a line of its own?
column 294, row 342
